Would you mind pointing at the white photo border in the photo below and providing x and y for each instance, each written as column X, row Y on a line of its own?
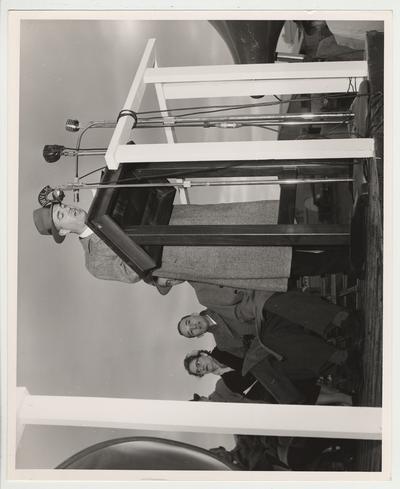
column 14, row 11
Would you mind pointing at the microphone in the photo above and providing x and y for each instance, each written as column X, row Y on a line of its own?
column 72, row 125
column 49, row 195
column 52, row 152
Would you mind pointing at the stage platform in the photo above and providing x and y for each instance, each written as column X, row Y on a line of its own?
column 371, row 286
column 368, row 175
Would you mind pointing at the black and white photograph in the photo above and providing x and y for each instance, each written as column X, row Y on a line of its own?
column 196, row 245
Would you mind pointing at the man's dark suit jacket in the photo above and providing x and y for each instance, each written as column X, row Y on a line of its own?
column 236, row 383
column 229, row 337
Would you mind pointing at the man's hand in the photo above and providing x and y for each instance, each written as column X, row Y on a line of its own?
column 168, row 282
column 247, row 340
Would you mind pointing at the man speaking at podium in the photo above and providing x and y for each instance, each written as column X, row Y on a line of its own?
column 58, row 220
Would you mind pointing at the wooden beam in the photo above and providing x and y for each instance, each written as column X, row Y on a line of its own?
column 257, row 71
column 307, row 149
column 241, row 235
column 205, row 417
column 133, row 101
column 255, row 79
column 241, row 88
column 202, row 169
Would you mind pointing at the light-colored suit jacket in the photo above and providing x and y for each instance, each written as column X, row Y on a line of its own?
column 222, row 393
column 247, row 307
column 103, row 263
column 232, row 303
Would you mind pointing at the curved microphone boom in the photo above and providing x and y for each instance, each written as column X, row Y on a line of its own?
column 53, row 152
column 73, row 125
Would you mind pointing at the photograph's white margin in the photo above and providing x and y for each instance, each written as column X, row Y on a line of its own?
column 9, row 207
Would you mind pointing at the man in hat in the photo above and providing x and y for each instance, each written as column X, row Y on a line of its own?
column 60, row 219
column 179, row 263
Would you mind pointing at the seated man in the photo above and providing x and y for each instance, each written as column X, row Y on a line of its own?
column 303, row 378
column 255, row 267
column 232, row 315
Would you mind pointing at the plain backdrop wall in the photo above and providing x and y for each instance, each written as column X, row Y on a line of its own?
column 78, row 335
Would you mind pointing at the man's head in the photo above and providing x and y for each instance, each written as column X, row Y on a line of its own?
column 200, row 362
column 193, row 326
column 58, row 220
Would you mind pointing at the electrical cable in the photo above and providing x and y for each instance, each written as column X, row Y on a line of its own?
column 91, row 172
column 261, row 127
column 221, row 108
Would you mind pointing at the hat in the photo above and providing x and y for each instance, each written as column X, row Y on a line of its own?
column 43, row 219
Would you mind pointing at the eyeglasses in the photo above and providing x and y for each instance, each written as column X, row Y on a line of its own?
column 198, row 369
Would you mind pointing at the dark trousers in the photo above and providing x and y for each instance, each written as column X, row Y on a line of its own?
column 305, row 355
column 332, row 260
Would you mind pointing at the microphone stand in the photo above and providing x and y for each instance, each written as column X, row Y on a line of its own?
column 188, row 183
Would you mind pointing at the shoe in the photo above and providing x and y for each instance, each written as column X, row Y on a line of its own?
column 349, row 377
column 354, row 332
column 351, row 386
column 338, row 342
column 354, row 363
